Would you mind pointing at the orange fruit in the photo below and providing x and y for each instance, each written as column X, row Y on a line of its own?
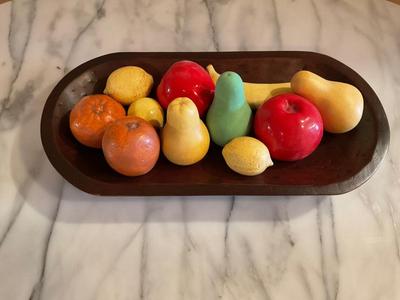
column 131, row 146
column 90, row 117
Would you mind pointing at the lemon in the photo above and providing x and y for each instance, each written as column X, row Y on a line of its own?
column 247, row 156
column 128, row 84
column 149, row 110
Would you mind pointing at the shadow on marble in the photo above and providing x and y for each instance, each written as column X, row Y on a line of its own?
column 36, row 182
column 79, row 207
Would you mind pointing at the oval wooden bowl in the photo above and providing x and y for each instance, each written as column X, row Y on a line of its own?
column 341, row 163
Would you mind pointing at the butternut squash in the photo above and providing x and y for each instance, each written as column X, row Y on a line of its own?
column 340, row 104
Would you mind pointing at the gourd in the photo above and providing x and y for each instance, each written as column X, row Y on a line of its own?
column 340, row 104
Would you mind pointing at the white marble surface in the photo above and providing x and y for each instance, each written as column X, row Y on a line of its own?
column 57, row 242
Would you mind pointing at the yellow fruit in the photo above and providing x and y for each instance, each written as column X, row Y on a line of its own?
column 149, row 110
column 247, row 156
column 256, row 93
column 340, row 104
column 128, row 84
column 185, row 139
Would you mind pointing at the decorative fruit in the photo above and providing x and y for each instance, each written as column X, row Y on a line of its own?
column 340, row 104
column 229, row 115
column 185, row 139
column 247, row 156
column 290, row 126
column 90, row 116
column 186, row 79
column 128, row 84
column 256, row 93
column 131, row 146
column 149, row 110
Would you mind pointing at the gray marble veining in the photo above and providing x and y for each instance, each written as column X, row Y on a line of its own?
column 57, row 242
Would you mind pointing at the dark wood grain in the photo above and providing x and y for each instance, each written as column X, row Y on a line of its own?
column 341, row 163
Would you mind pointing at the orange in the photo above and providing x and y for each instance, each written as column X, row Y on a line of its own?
column 90, row 117
column 131, row 146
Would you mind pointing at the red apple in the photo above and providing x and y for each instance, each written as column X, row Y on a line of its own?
column 186, row 79
column 290, row 126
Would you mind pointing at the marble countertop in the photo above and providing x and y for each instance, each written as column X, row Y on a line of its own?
column 57, row 242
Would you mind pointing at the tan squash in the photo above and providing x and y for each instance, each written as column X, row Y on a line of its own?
column 340, row 104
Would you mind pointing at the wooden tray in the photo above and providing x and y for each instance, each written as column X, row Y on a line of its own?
column 341, row 163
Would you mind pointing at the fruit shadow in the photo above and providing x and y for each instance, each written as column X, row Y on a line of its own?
column 36, row 183
column 79, row 207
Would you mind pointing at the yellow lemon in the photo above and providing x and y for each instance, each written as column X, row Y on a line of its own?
column 128, row 84
column 149, row 110
column 247, row 156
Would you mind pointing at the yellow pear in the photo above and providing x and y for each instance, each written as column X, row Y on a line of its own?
column 185, row 139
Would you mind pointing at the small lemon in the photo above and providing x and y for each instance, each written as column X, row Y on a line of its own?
column 128, row 84
column 247, row 156
column 149, row 110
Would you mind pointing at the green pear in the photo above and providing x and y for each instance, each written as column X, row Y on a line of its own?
column 229, row 115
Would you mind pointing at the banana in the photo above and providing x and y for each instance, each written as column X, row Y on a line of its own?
column 256, row 93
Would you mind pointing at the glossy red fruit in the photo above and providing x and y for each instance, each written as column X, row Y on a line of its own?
column 186, row 79
column 290, row 126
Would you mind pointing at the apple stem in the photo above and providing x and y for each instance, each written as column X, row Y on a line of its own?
column 291, row 108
